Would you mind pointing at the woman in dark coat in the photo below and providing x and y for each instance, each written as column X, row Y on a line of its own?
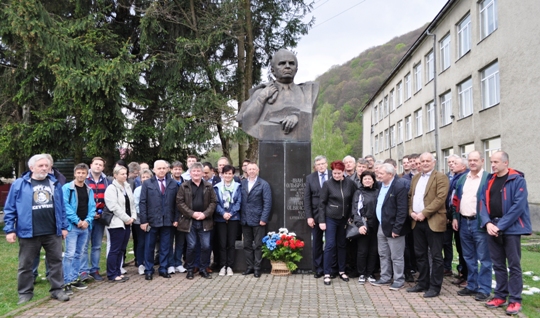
column 365, row 218
column 335, row 203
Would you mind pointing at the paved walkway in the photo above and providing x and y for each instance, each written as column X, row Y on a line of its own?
column 241, row 296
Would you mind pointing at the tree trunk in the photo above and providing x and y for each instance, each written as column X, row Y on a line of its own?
column 253, row 145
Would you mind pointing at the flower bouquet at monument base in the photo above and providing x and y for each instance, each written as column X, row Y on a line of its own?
column 283, row 246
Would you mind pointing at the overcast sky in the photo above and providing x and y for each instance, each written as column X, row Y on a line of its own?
column 362, row 24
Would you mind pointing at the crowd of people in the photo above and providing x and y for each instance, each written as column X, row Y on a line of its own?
column 177, row 220
column 402, row 223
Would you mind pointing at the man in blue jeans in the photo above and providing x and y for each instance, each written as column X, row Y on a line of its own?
column 80, row 210
column 196, row 201
column 474, row 239
column 98, row 182
column 35, row 214
column 505, row 215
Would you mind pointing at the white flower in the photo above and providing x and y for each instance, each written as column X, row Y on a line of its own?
column 283, row 230
column 271, row 233
column 292, row 234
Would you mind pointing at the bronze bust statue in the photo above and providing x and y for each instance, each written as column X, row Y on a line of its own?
column 281, row 109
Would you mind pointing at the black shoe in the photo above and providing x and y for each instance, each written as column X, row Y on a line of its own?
column 205, row 274
column 148, row 276
column 431, row 293
column 327, row 280
column 409, row 278
column 415, row 289
column 165, row 275
column 318, row 275
column 24, row 298
column 189, row 275
column 332, row 276
column 466, row 292
column 344, row 277
column 248, row 271
column 257, row 274
column 481, row 297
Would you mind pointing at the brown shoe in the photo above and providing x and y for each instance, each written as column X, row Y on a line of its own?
column 464, row 284
column 459, row 281
column 208, row 270
column 447, row 272
column 195, row 270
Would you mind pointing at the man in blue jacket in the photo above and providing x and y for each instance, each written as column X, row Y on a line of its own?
column 158, row 210
column 80, row 211
column 255, row 213
column 505, row 215
column 34, row 213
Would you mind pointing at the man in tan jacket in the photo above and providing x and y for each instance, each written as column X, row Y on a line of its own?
column 426, row 207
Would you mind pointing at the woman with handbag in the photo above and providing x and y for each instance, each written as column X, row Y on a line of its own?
column 119, row 200
column 227, row 218
column 335, row 203
column 365, row 219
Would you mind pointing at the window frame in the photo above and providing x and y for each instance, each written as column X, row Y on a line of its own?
column 408, row 128
column 444, row 46
column 418, row 123
column 464, row 35
column 417, row 71
column 430, row 66
column 489, row 92
column 485, row 7
column 446, row 108
column 430, row 115
column 407, row 86
column 462, row 97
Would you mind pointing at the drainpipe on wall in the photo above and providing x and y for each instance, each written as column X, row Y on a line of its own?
column 435, row 107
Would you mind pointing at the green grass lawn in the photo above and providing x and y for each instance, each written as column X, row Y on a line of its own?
column 9, row 263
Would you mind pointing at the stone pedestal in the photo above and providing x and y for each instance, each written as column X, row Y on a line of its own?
column 285, row 165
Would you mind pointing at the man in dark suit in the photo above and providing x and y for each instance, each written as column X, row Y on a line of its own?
column 427, row 209
column 157, row 208
column 255, row 213
column 392, row 212
column 314, row 184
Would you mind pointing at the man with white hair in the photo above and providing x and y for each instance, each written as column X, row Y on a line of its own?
column 158, row 216
column 350, row 165
column 35, row 214
column 391, row 210
column 427, row 198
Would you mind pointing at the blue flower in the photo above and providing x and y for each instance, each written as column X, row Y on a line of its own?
column 266, row 238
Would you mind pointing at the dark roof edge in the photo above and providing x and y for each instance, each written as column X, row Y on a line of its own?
column 413, row 47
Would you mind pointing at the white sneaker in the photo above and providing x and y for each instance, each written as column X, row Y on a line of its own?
column 229, row 271
column 180, row 269
column 223, row 271
column 141, row 269
column 362, row 279
column 371, row 279
column 170, row 270
column 122, row 270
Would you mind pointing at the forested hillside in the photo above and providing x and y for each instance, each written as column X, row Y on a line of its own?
column 337, row 128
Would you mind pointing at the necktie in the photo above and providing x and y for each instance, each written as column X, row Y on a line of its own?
column 323, row 179
column 162, row 186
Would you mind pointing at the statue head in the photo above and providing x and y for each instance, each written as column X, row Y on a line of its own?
column 284, row 66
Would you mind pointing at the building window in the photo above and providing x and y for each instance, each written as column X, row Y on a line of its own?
column 464, row 35
column 381, row 111
column 408, row 88
column 417, row 69
column 418, row 122
column 446, row 109
column 445, row 52
column 391, row 101
column 386, row 139
column 376, row 144
column 393, row 136
column 381, row 142
column 490, row 86
column 430, row 109
column 447, row 153
column 386, row 108
column 466, row 149
column 400, row 131
column 465, row 98
column 490, row 146
column 399, row 93
column 488, row 17
column 376, row 114
column 408, row 128
column 430, row 66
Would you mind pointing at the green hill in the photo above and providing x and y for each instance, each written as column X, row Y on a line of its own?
column 344, row 91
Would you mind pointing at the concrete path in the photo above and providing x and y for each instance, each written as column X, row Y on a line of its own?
column 246, row 296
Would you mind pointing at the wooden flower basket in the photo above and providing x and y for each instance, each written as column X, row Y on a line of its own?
column 279, row 268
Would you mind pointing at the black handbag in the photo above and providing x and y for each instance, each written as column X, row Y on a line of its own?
column 351, row 231
column 106, row 216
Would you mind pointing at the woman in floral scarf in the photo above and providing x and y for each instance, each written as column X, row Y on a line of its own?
column 227, row 218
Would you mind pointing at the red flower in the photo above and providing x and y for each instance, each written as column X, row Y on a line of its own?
column 278, row 242
column 286, row 243
column 300, row 244
column 293, row 246
column 283, row 236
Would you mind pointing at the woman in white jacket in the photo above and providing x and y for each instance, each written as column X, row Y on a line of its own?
column 119, row 200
